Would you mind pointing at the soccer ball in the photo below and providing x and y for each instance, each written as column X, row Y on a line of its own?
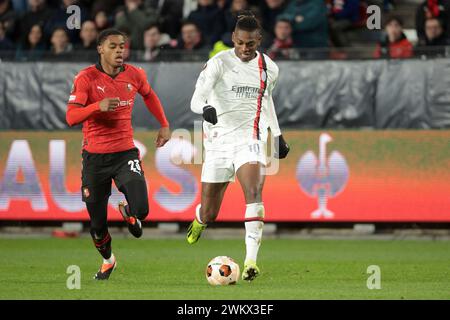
column 221, row 271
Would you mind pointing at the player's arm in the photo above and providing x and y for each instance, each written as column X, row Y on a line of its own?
column 281, row 146
column 77, row 110
column 205, row 84
column 155, row 107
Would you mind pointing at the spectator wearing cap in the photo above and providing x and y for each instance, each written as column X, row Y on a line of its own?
column 283, row 43
column 394, row 43
column 432, row 9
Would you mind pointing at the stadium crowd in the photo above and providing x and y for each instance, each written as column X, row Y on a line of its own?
column 168, row 29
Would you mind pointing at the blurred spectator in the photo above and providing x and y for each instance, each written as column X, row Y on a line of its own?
column 107, row 6
column 191, row 37
column 60, row 44
column 269, row 11
column 435, row 39
column 434, row 33
column 154, row 43
column 394, row 44
column 388, row 5
column 283, row 43
column 5, row 43
column 88, row 36
column 8, row 18
column 343, row 14
column 309, row 21
column 39, row 13
column 101, row 21
column 219, row 46
column 170, row 13
column 59, row 20
column 87, row 48
column 226, row 24
column 33, row 46
column 188, row 7
column 20, row 6
column 135, row 17
column 432, row 9
column 207, row 13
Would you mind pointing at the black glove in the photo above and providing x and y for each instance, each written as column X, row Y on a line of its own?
column 281, row 147
column 209, row 114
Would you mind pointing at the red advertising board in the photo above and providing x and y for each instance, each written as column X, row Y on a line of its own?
column 356, row 176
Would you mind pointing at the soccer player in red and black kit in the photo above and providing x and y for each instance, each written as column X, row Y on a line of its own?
column 102, row 99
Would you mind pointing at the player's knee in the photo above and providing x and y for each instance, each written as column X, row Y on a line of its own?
column 98, row 231
column 253, row 194
column 141, row 210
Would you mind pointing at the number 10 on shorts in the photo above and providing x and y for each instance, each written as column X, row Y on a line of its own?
column 255, row 148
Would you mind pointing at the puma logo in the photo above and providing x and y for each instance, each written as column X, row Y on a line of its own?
column 101, row 88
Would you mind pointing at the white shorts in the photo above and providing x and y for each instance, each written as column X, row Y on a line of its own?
column 221, row 165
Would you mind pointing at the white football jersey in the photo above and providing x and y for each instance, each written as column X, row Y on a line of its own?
column 241, row 93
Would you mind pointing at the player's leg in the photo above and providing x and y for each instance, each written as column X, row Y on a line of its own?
column 136, row 208
column 101, row 237
column 130, row 180
column 217, row 172
column 251, row 177
column 95, row 190
column 207, row 210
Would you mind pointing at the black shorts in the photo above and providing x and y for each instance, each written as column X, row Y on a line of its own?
column 99, row 169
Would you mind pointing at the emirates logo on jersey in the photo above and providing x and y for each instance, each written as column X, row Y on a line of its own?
column 245, row 92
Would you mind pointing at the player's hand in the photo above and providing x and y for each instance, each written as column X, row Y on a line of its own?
column 281, row 147
column 210, row 114
column 109, row 104
column 163, row 137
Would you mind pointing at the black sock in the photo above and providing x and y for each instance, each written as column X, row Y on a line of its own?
column 102, row 243
column 99, row 228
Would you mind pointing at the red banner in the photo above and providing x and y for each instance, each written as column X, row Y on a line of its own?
column 353, row 176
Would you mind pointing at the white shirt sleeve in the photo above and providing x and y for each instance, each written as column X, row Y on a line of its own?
column 271, row 115
column 206, row 81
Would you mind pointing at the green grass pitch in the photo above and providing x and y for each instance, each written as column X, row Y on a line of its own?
column 171, row 269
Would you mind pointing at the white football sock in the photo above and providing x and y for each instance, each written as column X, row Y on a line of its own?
column 254, row 223
column 110, row 260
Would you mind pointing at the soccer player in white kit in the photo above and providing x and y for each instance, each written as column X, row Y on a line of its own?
column 234, row 94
